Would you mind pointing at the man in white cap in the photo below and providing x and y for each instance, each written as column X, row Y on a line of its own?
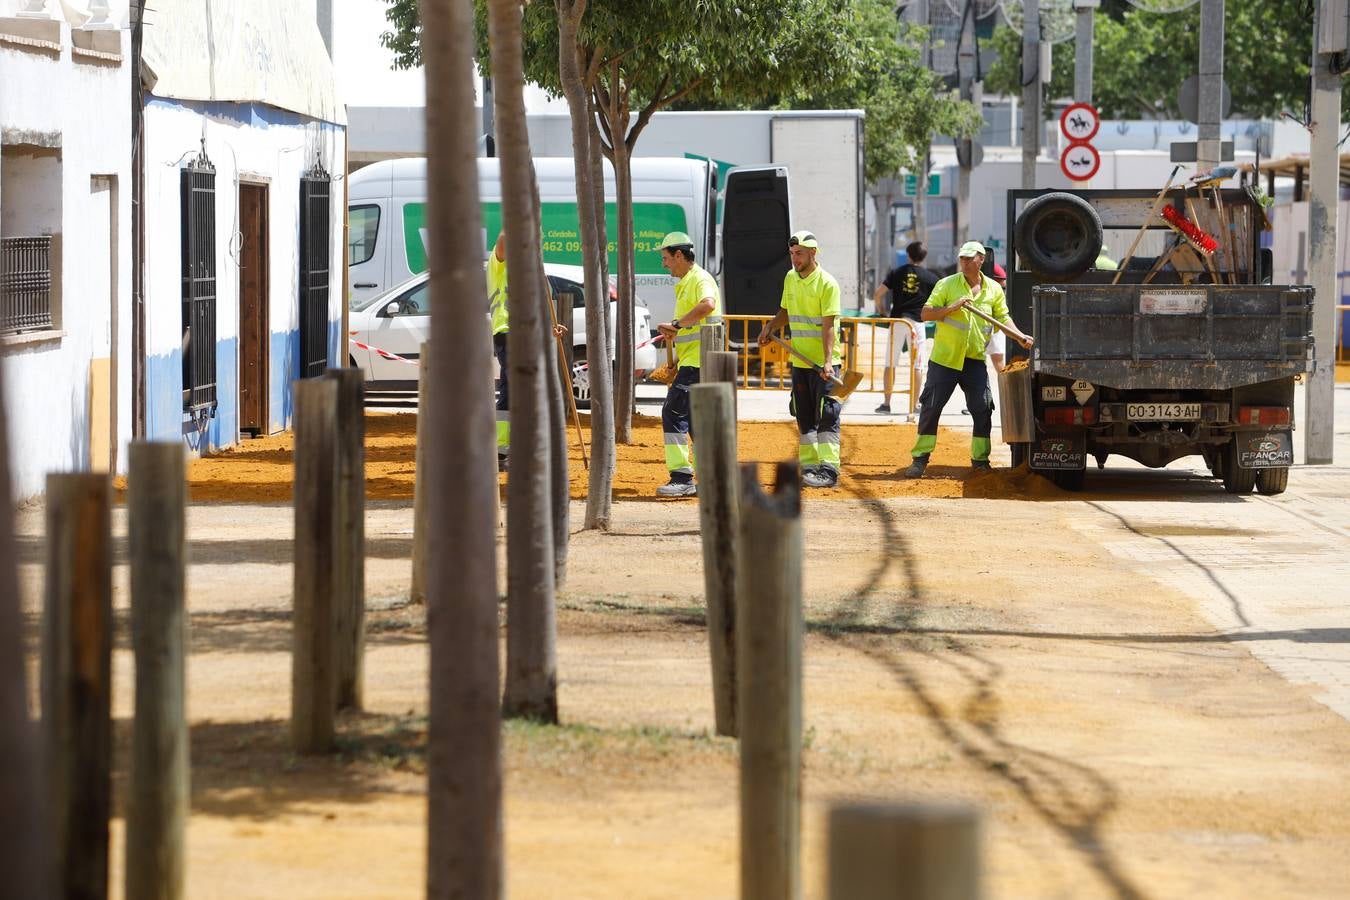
column 697, row 303
column 810, row 306
column 959, row 346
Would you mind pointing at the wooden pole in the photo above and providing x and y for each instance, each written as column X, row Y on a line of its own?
column 157, row 792
column 769, row 683
column 565, row 369
column 349, row 612
column 418, row 593
column 714, row 421
column 77, row 679
column 25, row 846
column 313, row 682
column 904, row 852
column 720, row 366
column 711, row 339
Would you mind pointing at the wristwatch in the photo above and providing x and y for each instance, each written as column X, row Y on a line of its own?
column 675, row 323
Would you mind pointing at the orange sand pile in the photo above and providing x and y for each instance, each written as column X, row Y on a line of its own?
column 261, row 471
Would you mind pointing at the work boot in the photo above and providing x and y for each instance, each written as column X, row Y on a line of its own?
column 916, row 467
column 884, row 409
column 820, row 477
column 677, row 489
column 980, row 464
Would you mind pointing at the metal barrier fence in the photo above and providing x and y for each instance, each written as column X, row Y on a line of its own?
column 1341, row 354
column 766, row 368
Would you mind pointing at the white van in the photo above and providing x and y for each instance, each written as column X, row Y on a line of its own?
column 387, row 216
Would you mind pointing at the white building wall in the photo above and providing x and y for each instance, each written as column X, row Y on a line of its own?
column 80, row 107
column 246, row 143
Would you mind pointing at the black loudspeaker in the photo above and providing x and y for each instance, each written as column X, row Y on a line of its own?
column 755, row 222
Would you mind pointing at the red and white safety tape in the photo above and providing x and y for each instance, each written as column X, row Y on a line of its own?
column 384, row 354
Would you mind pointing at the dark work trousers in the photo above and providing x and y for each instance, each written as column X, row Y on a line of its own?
column 973, row 379
column 503, row 395
column 678, row 425
column 817, row 416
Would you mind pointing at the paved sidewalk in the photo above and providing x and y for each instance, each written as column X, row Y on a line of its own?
column 1271, row 573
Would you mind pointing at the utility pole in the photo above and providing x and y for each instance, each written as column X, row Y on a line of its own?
column 1031, row 91
column 1209, row 140
column 1082, row 49
column 1319, row 399
column 971, row 92
column 921, row 176
column 489, row 123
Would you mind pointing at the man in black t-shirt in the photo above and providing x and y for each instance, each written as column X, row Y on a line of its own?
column 908, row 287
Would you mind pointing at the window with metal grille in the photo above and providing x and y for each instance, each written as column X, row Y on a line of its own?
column 315, row 259
column 25, row 284
column 198, row 197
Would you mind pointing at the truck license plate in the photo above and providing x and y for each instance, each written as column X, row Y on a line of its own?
column 1162, row 412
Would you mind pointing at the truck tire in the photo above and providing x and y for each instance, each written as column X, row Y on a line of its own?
column 1272, row 481
column 1020, row 450
column 1058, row 234
column 1236, row 480
column 581, row 379
column 1068, row 479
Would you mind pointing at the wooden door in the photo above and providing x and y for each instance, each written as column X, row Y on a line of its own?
column 253, row 305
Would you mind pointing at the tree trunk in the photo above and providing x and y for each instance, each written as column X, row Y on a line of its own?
column 623, row 332
column 585, row 162
column 921, row 198
column 464, row 769
column 531, row 677
column 555, row 362
column 597, row 157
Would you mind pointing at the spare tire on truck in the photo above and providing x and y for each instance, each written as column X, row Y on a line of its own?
column 1058, row 234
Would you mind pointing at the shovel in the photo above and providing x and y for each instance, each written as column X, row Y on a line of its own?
column 992, row 321
column 842, row 387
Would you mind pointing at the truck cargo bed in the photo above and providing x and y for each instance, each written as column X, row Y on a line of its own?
column 1134, row 336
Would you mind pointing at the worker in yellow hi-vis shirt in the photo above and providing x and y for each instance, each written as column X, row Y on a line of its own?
column 501, row 324
column 959, row 346
column 697, row 303
column 811, row 307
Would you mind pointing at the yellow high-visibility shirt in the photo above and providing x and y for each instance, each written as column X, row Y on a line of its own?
column 963, row 335
column 496, row 285
column 689, row 292
column 808, row 301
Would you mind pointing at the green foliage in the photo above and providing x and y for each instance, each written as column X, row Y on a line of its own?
column 1141, row 59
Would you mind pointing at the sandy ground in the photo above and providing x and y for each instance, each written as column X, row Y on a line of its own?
column 977, row 649
column 259, row 471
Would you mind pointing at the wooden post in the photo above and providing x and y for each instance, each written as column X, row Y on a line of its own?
column 711, row 339
column 157, row 792
column 769, row 683
column 77, row 679
column 25, row 848
column 714, row 420
column 720, row 366
column 418, row 594
column 922, row 851
column 313, row 682
column 349, row 613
